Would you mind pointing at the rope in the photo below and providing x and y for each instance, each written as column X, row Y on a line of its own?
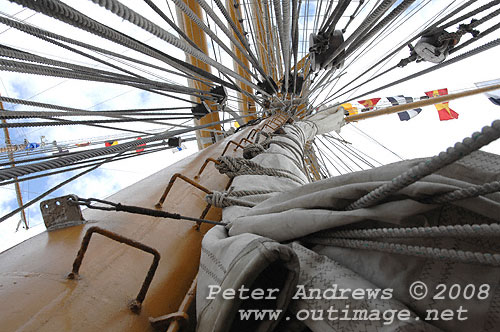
column 67, row 14
column 47, row 114
column 231, row 37
column 63, row 122
column 452, row 154
column 254, row 149
column 51, row 190
column 286, row 41
column 370, row 20
column 189, row 13
column 133, row 17
column 403, row 45
column 335, row 16
column 458, row 58
column 469, row 192
column 233, row 167
column 243, row 40
column 458, row 256
column 417, row 232
column 386, row 20
column 475, row 38
column 223, row 199
column 92, row 75
column 18, row 171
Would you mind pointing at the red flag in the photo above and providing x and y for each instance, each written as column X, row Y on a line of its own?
column 110, row 143
column 444, row 111
column 369, row 103
column 140, row 150
column 82, row 144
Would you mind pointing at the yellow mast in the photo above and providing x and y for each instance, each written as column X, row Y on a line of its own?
column 10, row 154
column 198, row 36
column 246, row 105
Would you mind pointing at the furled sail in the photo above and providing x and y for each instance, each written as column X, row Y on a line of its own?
column 284, row 232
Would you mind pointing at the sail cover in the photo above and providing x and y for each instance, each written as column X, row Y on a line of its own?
column 294, row 236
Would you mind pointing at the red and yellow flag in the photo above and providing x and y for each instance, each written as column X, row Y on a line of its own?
column 349, row 109
column 444, row 111
column 369, row 103
column 110, row 143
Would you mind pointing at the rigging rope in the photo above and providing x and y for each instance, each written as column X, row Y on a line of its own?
column 67, row 14
column 18, row 171
column 452, row 154
column 458, row 58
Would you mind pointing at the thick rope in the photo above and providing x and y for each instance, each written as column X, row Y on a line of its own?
column 469, row 192
column 452, row 154
column 67, row 14
column 458, row 256
column 366, row 24
column 252, row 150
column 231, row 37
column 223, row 199
column 386, row 20
column 18, row 171
column 189, row 13
column 233, row 167
column 483, row 230
column 133, row 17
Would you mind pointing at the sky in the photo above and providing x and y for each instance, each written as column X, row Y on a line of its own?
column 422, row 136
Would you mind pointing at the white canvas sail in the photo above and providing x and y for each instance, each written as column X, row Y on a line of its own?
column 293, row 232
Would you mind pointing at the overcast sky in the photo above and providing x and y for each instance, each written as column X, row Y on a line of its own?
column 422, row 136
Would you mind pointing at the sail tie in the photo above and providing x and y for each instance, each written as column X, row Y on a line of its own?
column 233, row 167
column 254, row 149
column 223, row 199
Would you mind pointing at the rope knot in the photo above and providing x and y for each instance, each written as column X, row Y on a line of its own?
column 217, row 199
column 223, row 199
column 252, row 150
column 229, row 165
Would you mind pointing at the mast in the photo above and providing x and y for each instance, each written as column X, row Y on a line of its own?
column 96, row 297
column 205, row 138
column 246, row 105
column 10, row 154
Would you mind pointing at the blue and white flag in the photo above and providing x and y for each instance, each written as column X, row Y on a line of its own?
column 493, row 96
column 405, row 115
column 32, row 146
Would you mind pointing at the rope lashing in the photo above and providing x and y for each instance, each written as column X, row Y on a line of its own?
column 466, row 230
column 254, row 149
column 452, row 255
column 461, row 149
column 233, row 167
column 223, row 199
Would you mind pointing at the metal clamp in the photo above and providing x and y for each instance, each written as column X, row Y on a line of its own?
column 59, row 213
column 136, row 304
